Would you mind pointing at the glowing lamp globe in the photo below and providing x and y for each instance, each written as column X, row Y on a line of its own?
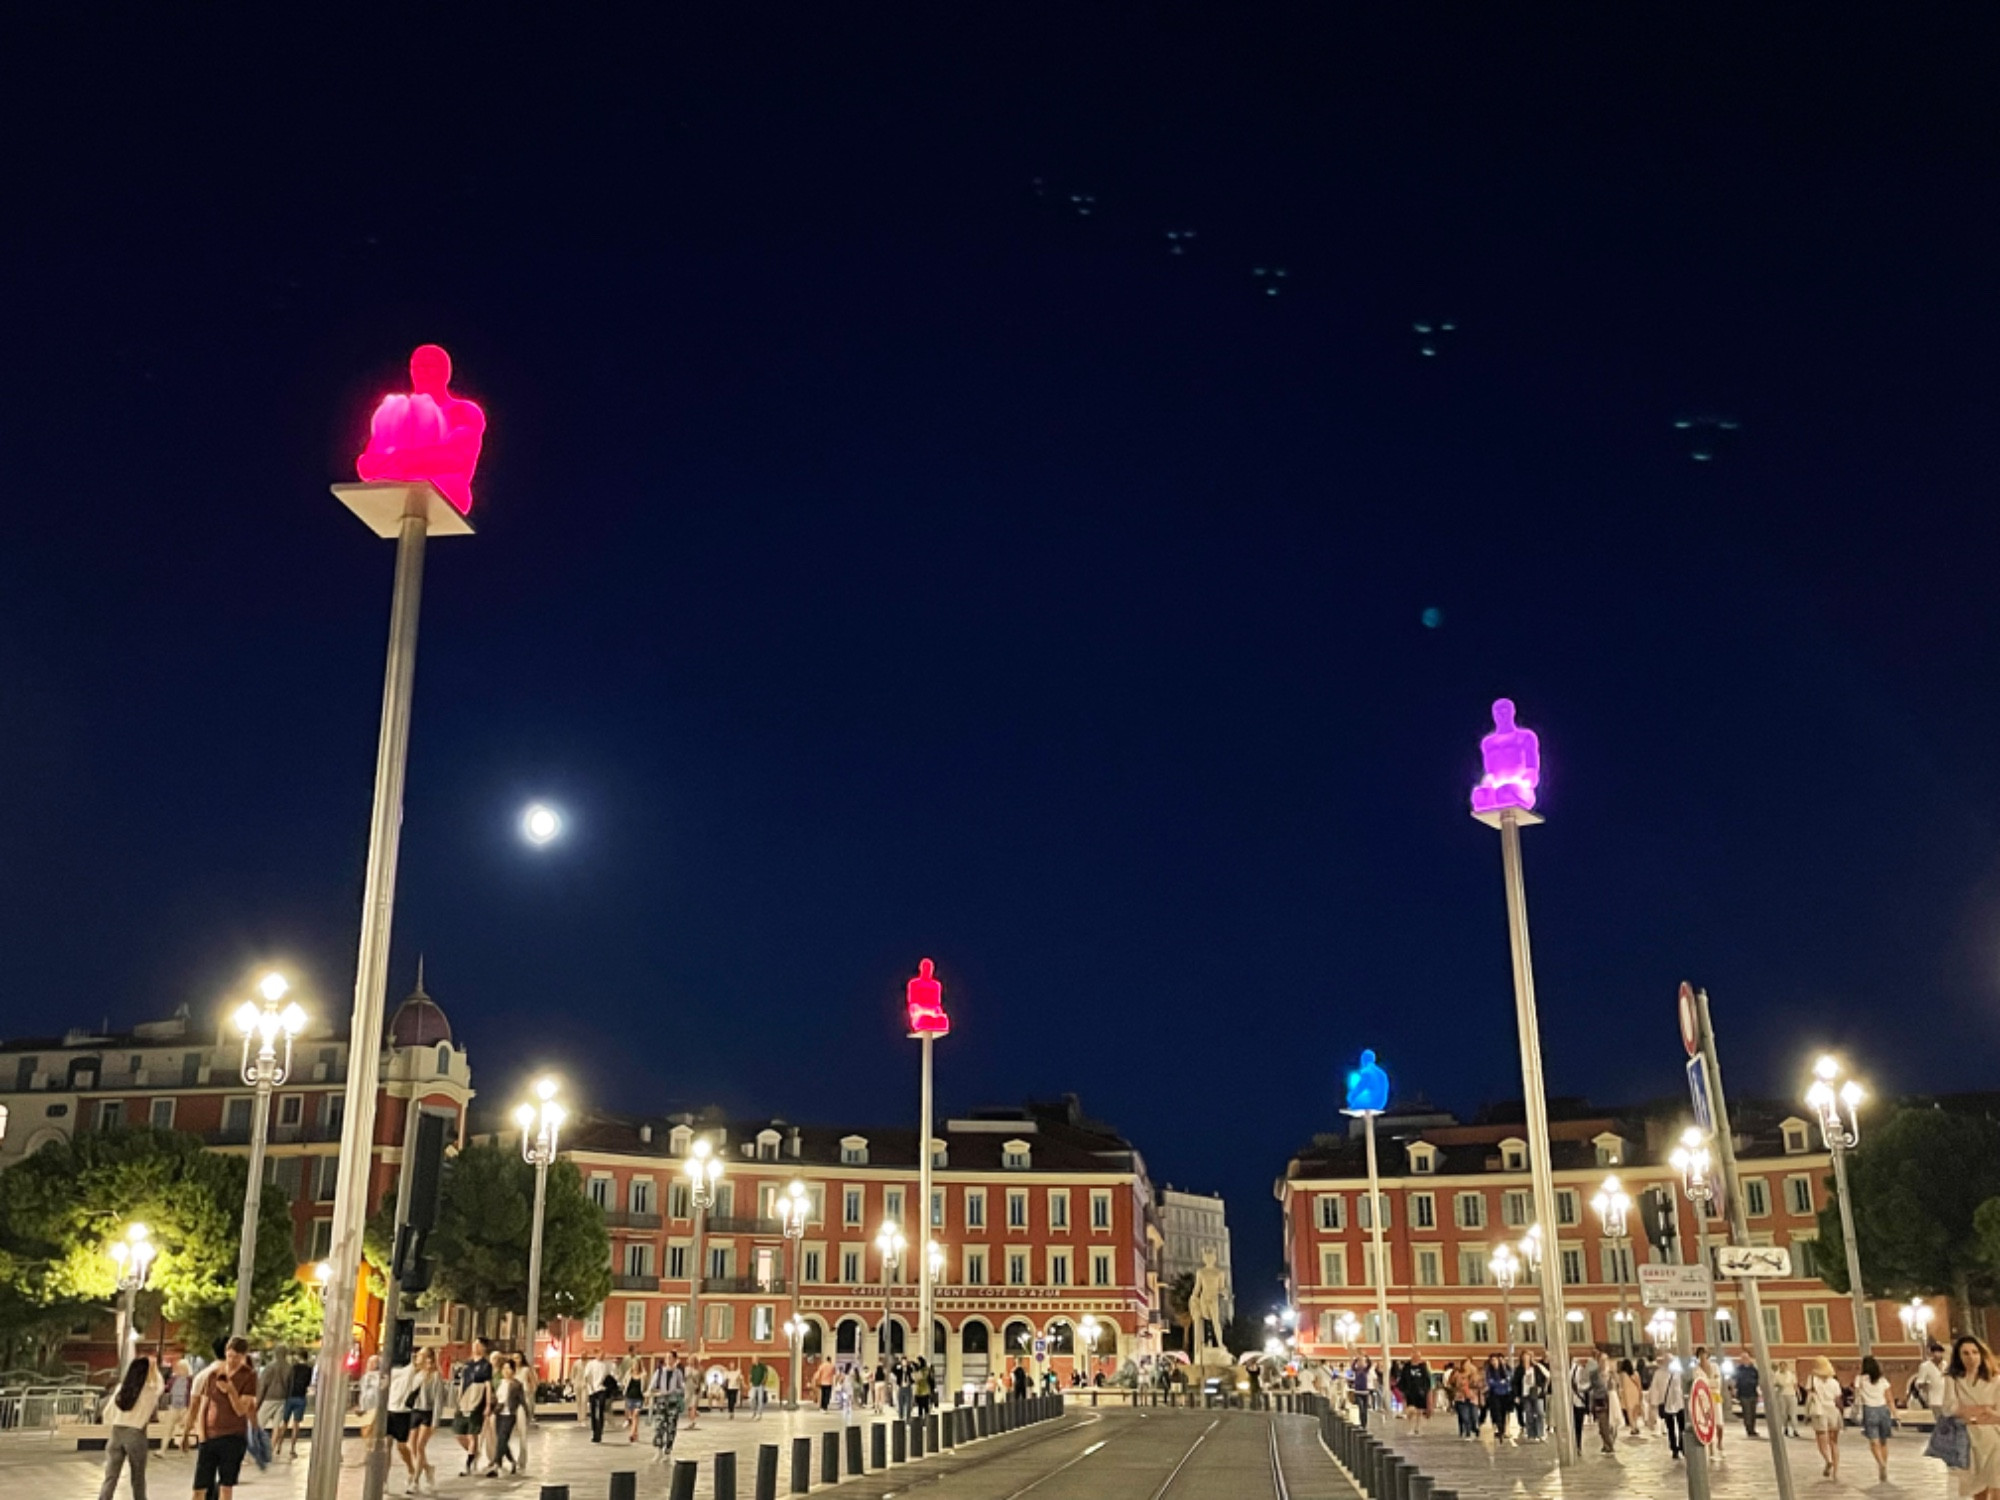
column 926, row 1003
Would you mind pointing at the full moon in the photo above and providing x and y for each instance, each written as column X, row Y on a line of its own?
column 540, row 823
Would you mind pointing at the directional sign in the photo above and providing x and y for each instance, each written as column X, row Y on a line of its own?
column 1041, row 1348
column 1704, row 1111
column 1690, row 1028
column 1701, row 1411
column 1750, row 1262
column 1681, row 1288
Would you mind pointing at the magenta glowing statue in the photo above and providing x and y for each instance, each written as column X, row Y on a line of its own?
column 1513, row 759
column 428, row 434
column 926, row 998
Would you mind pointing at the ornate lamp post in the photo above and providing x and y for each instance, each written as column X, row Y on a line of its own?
column 1840, row 1128
column 793, row 1207
column 540, row 1122
column 133, row 1255
column 1915, row 1316
column 1691, row 1158
column 704, row 1170
column 890, row 1245
column 1505, row 1266
column 1614, row 1208
column 1504, row 799
column 1660, row 1329
column 267, row 1030
column 1090, row 1328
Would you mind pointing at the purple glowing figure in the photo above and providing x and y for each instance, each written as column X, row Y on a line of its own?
column 1513, row 759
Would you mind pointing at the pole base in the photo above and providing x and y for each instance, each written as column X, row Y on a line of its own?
column 382, row 506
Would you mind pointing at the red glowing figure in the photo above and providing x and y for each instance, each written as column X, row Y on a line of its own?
column 927, row 1017
column 429, row 434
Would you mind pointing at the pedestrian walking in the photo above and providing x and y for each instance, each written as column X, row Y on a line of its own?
column 472, row 1383
column 1971, row 1392
column 1823, row 1409
column 1600, row 1403
column 760, row 1388
column 1416, row 1391
column 602, row 1397
column 130, row 1410
column 1670, row 1400
column 1532, row 1382
column 509, row 1401
column 1499, row 1395
column 1871, row 1391
column 228, row 1407
column 1579, row 1394
column 1746, row 1393
column 274, row 1385
column 1631, row 1396
column 1782, row 1402
column 1465, row 1400
column 635, row 1398
column 732, row 1388
column 826, row 1376
column 669, row 1398
column 179, row 1403
column 1927, row 1384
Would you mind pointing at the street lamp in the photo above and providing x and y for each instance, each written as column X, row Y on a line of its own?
column 1614, row 1207
column 1915, row 1316
column 1367, row 1097
column 269, row 1028
column 1089, row 1329
column 890, row 1244
column 1506, row 1268
column 1840, row 1128
column 1660, row 1328
column 1691, row 1158
column 540, row 1120
column 133, row 1255
column 704, row 1170
column 795, row 1333
column 1347, row 1328
column 793, row 1207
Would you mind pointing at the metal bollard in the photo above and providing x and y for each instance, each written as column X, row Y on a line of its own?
column 1420, row 1486
column 878, row 1446
column 854, row 1464
column 767, row 1471
column 555, row 1492
column 802, row 1465
column 624, row 1484
column 829, row 1458
column 899, row 1443
column 933, row 1425
column 1395, row 1477
column 682, row 1486
column 725, row 1476
column 982, row 1419
column 916, row 1438
column 947, row 1430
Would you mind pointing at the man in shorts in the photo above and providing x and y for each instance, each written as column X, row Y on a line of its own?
column 228, row 1402
column 292, row 1417
column 474, row 1382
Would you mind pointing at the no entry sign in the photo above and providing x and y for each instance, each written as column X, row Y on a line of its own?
column 1690, row 1028
column 1701, row 1411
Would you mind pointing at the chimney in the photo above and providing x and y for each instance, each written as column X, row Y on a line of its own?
column 794, row 1144
column 645, row 1135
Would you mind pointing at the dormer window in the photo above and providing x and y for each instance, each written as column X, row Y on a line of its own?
column 1423, row 1158
column 940, row 1156
column 854, row 1151
column 1514, row 1156
column 1797, row 1139
column 1610, row 1149
column 767, row 1145
column 1014, row 1156
column 678, row 1140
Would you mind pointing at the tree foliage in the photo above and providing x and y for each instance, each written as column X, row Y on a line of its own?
column 1919, row 1181
column 61, row 1208
column 1176, row 1297
column 482, row 1235
column 296, row 1319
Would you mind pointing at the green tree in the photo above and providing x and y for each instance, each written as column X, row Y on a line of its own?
column 296, row 1319
column 1919, row 1181
column 61, row 1208
column 1179, row 1321
column 481, row 1240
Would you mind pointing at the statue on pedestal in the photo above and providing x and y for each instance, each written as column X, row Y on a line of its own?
column 1205, row 1312
column 1513, row 761
column 429, row 434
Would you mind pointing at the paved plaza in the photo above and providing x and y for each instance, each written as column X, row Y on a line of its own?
column 1643, row 1468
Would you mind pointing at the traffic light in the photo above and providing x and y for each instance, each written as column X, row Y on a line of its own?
column 1656, row 1213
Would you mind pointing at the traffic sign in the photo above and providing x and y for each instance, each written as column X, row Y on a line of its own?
column 1681, row 1288
column 1704, row 1110
column 1750, row 1262
column 1701, row 1411
column 1041, row 1348
column 1690, row 1027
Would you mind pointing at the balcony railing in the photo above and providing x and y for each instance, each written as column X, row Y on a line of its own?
column 624, row 1283
column 724, row 1285
column 742, row 1224
column 625, row 1218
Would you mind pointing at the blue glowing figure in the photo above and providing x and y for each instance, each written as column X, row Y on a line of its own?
column 1367, row 1088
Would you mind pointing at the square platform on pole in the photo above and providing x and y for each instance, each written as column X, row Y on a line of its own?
column 383, row 504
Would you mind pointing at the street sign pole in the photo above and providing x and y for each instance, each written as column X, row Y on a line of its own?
column 1739, row 1228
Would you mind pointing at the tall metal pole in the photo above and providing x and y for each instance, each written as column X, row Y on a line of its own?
column 1693, row 1455
column 695, row 1272
column 364, row 1048
column 1556, row 1331
column 1381, row 1263
column 1624, row 1317
column 253, row 1201
column 535, row 1262
column 128, row 1314
column 1739, row 1228
column 375, row 1472
column 1854, row 1287
column 923, row 1243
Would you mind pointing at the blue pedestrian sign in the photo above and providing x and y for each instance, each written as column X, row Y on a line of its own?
column 1704, row 1111
column 1041, row 1348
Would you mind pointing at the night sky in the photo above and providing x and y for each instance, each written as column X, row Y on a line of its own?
column 879, row 556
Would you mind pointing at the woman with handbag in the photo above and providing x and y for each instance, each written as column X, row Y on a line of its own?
column 1823, row 1409
column 1970, row 1401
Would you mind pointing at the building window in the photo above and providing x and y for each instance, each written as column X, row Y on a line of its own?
column 1472, row 1268
column 1795, row 1139
column 593, row 1322
column 975, row 1268
column 975, row 1208
column 673, row 1319
column 1817, row 1329
column 1100, row 1268
column 810, row 1264
column 1059, row 1268
column 1430, row 1328
column 850, row 1212
column 850, row 1266
column 767, row 1145
column 937, row 1209
column 1014, row 1156
column 639, row 1196
column 1579, row 1328
column 720, row 1261
column 322, row 1240
column 718, row 1322
column 1367, row 1220
column 291, row 1108
column 892, row 1205
column 1572, row 1263
column 638, row 1259
column 444, row 1057
column 677, row 1262
column 680, row 1204
column 1331, row 1208
column 329, row 1177
column 1429, row 1266
column 1017, row 1268
column 1774, row 1323
column 763, row 1318
column 1479, row 1328
column 1514, row 1156
column 1798, row 1195
column 1725, row 1325
column 1017, row 1209
column 854, row 1152
column 1333, row 1265
column 1100, row 1209
column 1372, row 1328
column 110, row 1114
column 635, row 1320
column 1514, row 1209
column 1058, row 1208
column 1423, row 1210
column 1470, row 1210
column 161, row 1118
column 1756, row 1197
column 1615, row 1261
column 1369, row 1264
column 599, row 1189
column 1566, row 1206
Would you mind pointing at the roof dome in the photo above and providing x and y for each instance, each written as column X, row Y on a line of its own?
column 419, row 1021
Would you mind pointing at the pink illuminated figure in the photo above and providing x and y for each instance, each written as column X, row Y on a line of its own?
column 1513, row 759
column 927, row 1017
column 428, row 434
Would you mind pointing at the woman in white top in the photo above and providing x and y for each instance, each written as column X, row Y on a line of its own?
column 1972, row 1394
column 129, row 1412
column 1871, row 1391
column 1823, row 1410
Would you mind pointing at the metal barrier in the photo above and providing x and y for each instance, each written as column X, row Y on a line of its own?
column 44, row 1408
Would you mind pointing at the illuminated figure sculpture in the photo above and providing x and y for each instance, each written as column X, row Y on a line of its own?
column 1367, row 1088
column 1513, row 759
column 1204, row 1305
column 926, row 995
column 428, row 434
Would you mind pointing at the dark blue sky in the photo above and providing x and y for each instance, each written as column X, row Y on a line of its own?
column 879, row 559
